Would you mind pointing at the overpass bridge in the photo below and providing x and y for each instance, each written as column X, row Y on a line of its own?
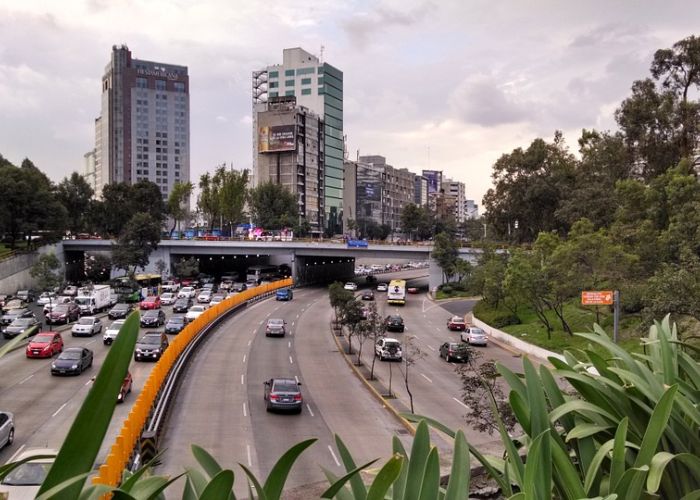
column 310, row 261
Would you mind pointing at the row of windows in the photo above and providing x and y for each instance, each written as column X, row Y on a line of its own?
column 290, row 83
column 142, row 83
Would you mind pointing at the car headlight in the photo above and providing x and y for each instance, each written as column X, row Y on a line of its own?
column 74, row 367
column 53, row 365
column 119, row 397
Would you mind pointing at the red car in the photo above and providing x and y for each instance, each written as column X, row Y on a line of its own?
column 456, row 323
column 152, row 302
column 45, row 345
column 125, row 388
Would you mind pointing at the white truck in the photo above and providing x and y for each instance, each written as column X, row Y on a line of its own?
column 93, row 300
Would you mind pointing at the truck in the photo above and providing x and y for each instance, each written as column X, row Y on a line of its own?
column 92, row 300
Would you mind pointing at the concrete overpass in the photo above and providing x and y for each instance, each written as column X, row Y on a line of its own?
column 311, row 261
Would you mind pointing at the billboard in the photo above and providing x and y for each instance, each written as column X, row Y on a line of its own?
column 276, row 138
column 372, row 191
column 434, row 180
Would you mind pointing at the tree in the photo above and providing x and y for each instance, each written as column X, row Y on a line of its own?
column 97, row 267
column 338, row 297
column 75, row 194
column 232, row 194
column 135, row 243
column 674, row 289
column 410, row 355
column 186, row 268
column 178, row 200
column 208, row 201
column 411, row 216
column 351, row 316
column 373, row 328
column 121, row 201
column 273, row 206
column 44, row 271
column 445, row 253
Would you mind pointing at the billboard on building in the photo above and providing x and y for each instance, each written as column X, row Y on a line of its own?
column 276, row 138
column 434, row 180
column 372, row 191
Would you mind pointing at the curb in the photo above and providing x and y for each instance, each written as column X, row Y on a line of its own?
column 371, row 388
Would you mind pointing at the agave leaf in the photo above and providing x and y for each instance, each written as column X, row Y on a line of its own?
column 566, row 477
column 412, row 417
column 359, row 490
column 430, row 483
column 95, row 491
column 338, row 484
column 399, row 487
column 416, row 465
column 219, row 487
column 582, row 407
column 82, row 443
column 342, row 493
column 258, row 487
column 617, row 466
column 514, row 381
column 655, row 429
column 278, row 475
column 521, row 410
column 60, row 488
column 208, row 463
column 195, row 484
column 539, row 420
column 458, row 484
column 127, row 483
column 17, row 340
column 386, row 476
column 693, row 495
column 537, row 481
column 150, row 487
column 656, row 470
column 632, row 482
column 594, row 468
column 9, row 467
column 585, row 430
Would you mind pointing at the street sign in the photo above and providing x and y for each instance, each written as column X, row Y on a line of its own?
column 601, row 298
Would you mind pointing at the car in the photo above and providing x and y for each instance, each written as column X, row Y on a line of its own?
column 170, row 286
column 239, row 287
column 87, row 325
column 474, row 336
column 61, row 299
column 217, row 299
column 454, row 351
column 382, row 287
column 388, row 348
column 195, row 311
column 394, row 323
column 376, row 267
column 456, row 323
column 204, row 297
column 251, row 283
column 63, row 313
column 45, row 345
column 168, row 299
column 350, row 286
column 151, row 302
column 175, row 324
column 275, row 327
column 14, row 314
column 371, row 278
column 70, row 290
column 25, row 480
column 284, row 294
column 113, row 299
column 120, row 310
column 151, row 346
column 20, row 325
column 112, row 331
column 125, row 389
column 26, row 295
column 187, row 292
column 46, row 297
column 13, row 303
column 210, row 286
column 181, row 305
column 73, row 360
column 7, row 429
column 412, row 289
column 368, row 295
column 152, row 318
column 283, row 394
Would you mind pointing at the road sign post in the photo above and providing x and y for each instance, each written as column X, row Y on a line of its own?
column 616, row 315
column 605, row 298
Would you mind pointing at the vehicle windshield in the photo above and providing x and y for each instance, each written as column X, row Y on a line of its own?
column 61, row 309
column 458, row 347
column 150, row 299
column 150, row 314
column 166, row 295
column 22, row 322
column 43, row 338
column 275, row 322
column 197, row 309
column 478, row 331
column 86, row 321
column 82, row 300
column 28, row 474
column 70, row 355
column 176, row 320
column 396, row 319
column 457, row 319
column 392, row 345
column 150, row 339
column 120, row 307
column 116, row 325
column 285, row 387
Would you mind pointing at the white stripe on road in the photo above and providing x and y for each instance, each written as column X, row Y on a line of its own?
column 88, row 382
column 244, row 357
column 91, row 342
column 250, row 341
column 27, row 378
column 334, row 457
column 12, row 458
column 242, row 379
column 250, row 462
column 431, row 348
column 426, row 378
column 309, row 408
column 261, row 321
column 254, row 331
column 59, row 410
column 291, row 361
column 289, row 344
column 461, row 403
column 293, row 323
column 438, row 329
column 245, row 413
column 296, row 378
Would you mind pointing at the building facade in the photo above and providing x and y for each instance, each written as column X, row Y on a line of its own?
column 90, row 170
column 143, row 131
column 317, row 86
column 454, row 190
column 471, row 209
column 290, row 152
column 349, row 194
column 434, row 187
column 420, row 191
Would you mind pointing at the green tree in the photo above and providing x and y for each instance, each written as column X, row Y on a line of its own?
column 674, row 289
column 97, row 267
column 135, row 243
column 186, row 267
column 45, row 271
column 122, row 201
column 232, row 185
column 351, row 317
column 273, row 206
column 208, row 201
column 410, row 219
column 338, row 297
column 178, row 202
column 445, row 253
column 75, row 194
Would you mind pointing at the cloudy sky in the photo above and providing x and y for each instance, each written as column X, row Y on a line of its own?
column 442, row 84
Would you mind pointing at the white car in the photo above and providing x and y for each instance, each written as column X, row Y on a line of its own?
column 87, row 325
column 388, row 348
column 187, row 292
column 204, row 297
column 168, row 298
column 170, row 286
column 382, row 287
column 70, row 290
column 112, row 331
column 217, row 299
column 194, row 312
column 473, row 335
column 7, row 429
column 350, row 286
column 45, row 298
column 25, row 480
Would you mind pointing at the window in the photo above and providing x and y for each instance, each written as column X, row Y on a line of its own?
column 289, row 83
column 141, row 83
column 273, row 85
column 289, row 92
column 274, row 94
column 289, row 72
column 306, row 71
column 320, row 80
column 179, row 87
column 160, row 84
column 305, row 91
column 306, row 81
column 274, row 74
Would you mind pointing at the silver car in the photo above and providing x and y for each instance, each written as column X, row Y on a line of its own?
column 474, row 336
column 7, row 429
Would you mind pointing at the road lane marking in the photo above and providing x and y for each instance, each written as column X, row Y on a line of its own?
column 244, row 357
column 309, row 408
column 426, row 378
column 461, row 403
column 88, row 382
column 27, row 378
column 291, row 361
column 254, row 330
column 19, row 450
column 289, row 344
column 250, row 462
column 242, row 379
column 59, row 410
column 296, row 378
column 293, row 323
column 291, row 332
column 250, row 341
column 245, row 413
column 431, row 348
column 261, row 321
column 91, row 342
column 437, row 329
column 333, row 455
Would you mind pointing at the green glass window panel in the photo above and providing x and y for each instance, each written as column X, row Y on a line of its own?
column 332, row 192
column 333, row 182
column 289, row 72
column 274, row 74
column 289, row 83
column 274, row 94
column 332, row 141
column 334, row 92
column 332, row 101
column 306, row 81
column 333, row 131
column 305, row 91
column 273, row 85
column 334, row 162
column 320, row 91
column 330, row 70
column 335, row 113
column 289, row 92
column 320, row 70
column 306, row 71
column 333, row 122
column 320, row 80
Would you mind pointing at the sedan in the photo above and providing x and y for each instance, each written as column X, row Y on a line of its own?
column 187, row 292
column 194, row 312
column 474, row 336
column 20, row 326
column 14, row 314
column 152, row 302
column 394, row 323
column 454, row 351
column 125, row 388
column 204, row 297
column 350, row 286
column 7, row 428
column 368, row 295
column 45, row 345
column 61, row 299
column 112, row 332
column 217, row 299
column 154, row 317
column 151, row 347
column 73, row 360
column 168, row 299
column 86, row 326
column 275, row 327
column 382, row 287
column 63, row 313
column 46, row 297
column 456, row 323
column 239, row 287
column 175, row 324
column 182, row 305
column 120, row 310
column 283, row 394
column 25, row 480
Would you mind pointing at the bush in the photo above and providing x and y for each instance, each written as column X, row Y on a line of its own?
column 504, row 319
column 446, row 288
column 632, row 298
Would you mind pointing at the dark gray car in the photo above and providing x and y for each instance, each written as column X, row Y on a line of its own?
column 119, row 311
column 153, row 317
column 21, row 325
column 13, row 314
column 283, row 394
column 455, row 351
column 151, row 347
column 72, row 361
column 175, row 324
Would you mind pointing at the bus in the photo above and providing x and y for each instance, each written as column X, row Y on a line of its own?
column 127, row 290
column 259, row 273
column 397, row 292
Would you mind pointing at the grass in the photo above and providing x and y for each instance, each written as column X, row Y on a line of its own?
column 442, row 295
column 580, row 319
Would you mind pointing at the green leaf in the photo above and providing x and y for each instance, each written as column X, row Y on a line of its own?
column 399, row 487
column 342, row 493
column 258, row 487
column 618, row 460
column 539, row 420
column 413, row 417
column 150, row 487
column 656, row 470
column 655, row 429
column 416, row 464
column 278, row 475
column 219, row 487
column 359, row 490
column 339, row 483
column 82, row 443
column 430, row 483
column 385, row 478
column 632, row 482
column 60, row 488
column 9, row 346
column 594, row 467
column 583, row 407
column 208, row 463
column 9, row 467
column 521, row 410
column 129, row 481
column 537, row 482
column 458, row 484
column 566, row 477
column 585, row 430
column 195, row 484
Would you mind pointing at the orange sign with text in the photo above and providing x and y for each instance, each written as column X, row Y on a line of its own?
column 604, row 298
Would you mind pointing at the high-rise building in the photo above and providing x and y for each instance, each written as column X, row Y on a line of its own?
column 396, row 189
column 471, row 209
column 455, row 190
column 317, row 86
column 420, row 191
column 143, row 131
column 290, row 153
column 90, row 170
column 434, row 187
column 349, row 193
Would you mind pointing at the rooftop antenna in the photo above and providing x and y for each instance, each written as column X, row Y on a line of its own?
column 320, row 58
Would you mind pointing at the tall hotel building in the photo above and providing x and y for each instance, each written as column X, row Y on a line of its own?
column 317, row 87
column 143, row 131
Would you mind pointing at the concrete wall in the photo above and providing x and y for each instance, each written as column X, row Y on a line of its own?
column 14, row 272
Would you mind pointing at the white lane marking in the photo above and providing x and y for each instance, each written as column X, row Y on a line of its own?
column 245, row 413
column 431, row 348
column 291, row 361
column 26, row 378
column 88, row 382
column 242, row 379
column 461, row 403
column 293, row 323
column 298, row 316
column 333, row 455
column 250, row 462
column 250, row 341
column 309, row 408
column 426, row 378
column 254, row 330
column 296, row 378
column 289, row 344
column 59, row 410
column 244, row 357
column 291, row 332
column 91, row 342
column 19, row 450
column 261, row 321
column 438, row 329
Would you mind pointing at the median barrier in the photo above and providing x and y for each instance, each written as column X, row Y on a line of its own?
column 149, row 408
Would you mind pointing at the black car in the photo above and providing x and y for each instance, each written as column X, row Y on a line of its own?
column 182, row 305
column 368, row 295
column 21, row 325
column 63, row 313
column 239, row 287
column 175, row 324
column 283, row 394
column 26, row 295
column 120, row 311
column 73, row 360
column 13, row 314
column 394, row 323
column 454, row 351
column 211, row 286
column 151, row 346
column 152, row 317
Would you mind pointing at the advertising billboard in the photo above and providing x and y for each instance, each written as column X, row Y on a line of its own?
column 276, row 138
column 434, row 180
column 372, row 192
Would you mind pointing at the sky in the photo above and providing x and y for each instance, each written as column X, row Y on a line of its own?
column 446, row 85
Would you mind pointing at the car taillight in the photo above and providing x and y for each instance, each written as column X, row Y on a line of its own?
column 297, row 397
column 274, row 397
column 450, row 351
